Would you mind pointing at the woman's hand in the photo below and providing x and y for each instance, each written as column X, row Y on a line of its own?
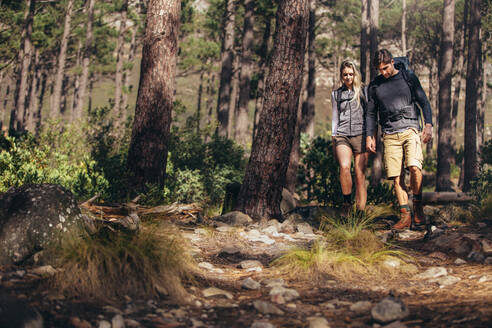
column 371, row 144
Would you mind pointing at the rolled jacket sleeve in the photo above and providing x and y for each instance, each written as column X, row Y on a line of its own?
column 334, row 114
column 371, row 112
column 421, row 99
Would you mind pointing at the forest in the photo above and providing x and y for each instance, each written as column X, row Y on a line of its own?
column 180, row 139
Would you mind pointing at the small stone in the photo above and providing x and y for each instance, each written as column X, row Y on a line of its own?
column 196, row 323
column 391, row 263
column 305, row 228
column 267, row 308
column 270, row 283
column 229, row 250
column 432, row 272
column 278, row 299
column 104, row 324
column 318, row 322
column 445, row 281
column 212, row 291
column 78, row 323
column 287, row 294
column 396, row 324
column 488, row 260
column 438, row 255
column 45, row 271
column 292, row 306
column 209, row 267
column 235, row 218
column 132, row 323
column 486, row 246
column 389, row 309
column 112, row 309
column 485, row 279
column 262, row 324
column 118, row 321
column 179, row 313
column 361, row 307
column 249, row 283
column 476, row 257
column 248, row 264
column 459, row 261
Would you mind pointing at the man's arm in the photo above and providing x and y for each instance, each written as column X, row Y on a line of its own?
column 371, row 119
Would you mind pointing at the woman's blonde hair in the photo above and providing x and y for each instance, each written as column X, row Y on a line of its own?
column 357, row 84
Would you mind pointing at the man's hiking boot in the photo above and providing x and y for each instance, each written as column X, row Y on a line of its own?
column 418, row 213
column 405, row 220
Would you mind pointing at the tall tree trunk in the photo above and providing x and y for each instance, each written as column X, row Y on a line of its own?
column 17, row 122
column 261, row 191
column 199, row 101
column 364, row 37
column 233, row 98
column 76, row 84
column 127, row 74
column 242, row 117
column 118, row 78
column 434, row 101
column 404, row 28
column 209, row 103
column 33, row 95
column 147, row 155
column 460, row 80
column 60, row 71
column 295, row 154
column 223, row 109
column 482, row 97
column 86, row 58
column 473, row 72
column 38, row 113
column 373, row 32
column 444, row 147
column 308, row 112
column 267, row 34
column 3, row 86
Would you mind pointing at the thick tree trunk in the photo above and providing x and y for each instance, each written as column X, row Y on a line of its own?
column 373, row 32
column 3, row 86
column 295, row 154
column 86, row 58
column 38, row 113
column 76, row 84
column 460, row 81
column 242, row 117
column 404, row 28
column 60, row 71
column 434, row 101
column 147, row 155
column 308, row 112
column 118, row 78
column 17, row 122
column 364, row 37
column 444, row 147
column 473, row 72
column 223, row 109
column 482, row 97
column 264, row 179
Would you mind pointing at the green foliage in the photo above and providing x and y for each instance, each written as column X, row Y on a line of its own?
column 382, row 193
column 481, row 186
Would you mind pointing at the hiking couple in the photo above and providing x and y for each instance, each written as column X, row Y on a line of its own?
column 391, row 100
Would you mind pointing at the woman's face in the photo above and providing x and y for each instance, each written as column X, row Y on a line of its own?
column 348, row 77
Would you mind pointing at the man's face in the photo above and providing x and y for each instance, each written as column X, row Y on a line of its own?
column 387, row 70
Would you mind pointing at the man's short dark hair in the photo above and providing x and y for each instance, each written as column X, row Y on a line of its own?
column 382, row 56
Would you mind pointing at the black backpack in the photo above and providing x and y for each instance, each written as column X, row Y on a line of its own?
column 403, row 65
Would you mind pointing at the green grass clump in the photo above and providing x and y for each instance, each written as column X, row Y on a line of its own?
column 109, row 264
column 348, row 250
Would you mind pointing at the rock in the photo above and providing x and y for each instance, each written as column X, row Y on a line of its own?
column 104, row 324
column 79, row 323
column 389, row 309
column 361, row 307
column 277, row 299
column 387, row 236
column 409, row 235
column 226, row 228
column 270, row 283
column 229, row 250
column 212, row 291
column 396, row 324
column 17, row 313
column 118, row 321
column 262, row 324
column 476, row 257
column 267, row 308
column 249, row 283
column 271, row 230
column 132, row 323
column 255, row 235
column 485, row 279
column 197, row 323
column 438, row 255
column 33, row 216
column 305, row 228
column 482, row 225
column 112, row 309
column 318, row 322
column 488, row 260
column 391, row 263
column 209, row 267
column 432, row 272
column 459, row 261
column 445, row 281
column 288, row 226
column 234, row 218
column 486, row 246
column 287, row 294
column 288, row 202
column 248, row 264
column 44, row 271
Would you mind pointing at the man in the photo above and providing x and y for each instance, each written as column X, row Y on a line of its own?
column 394, row 95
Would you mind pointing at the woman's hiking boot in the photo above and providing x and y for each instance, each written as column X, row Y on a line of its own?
column 418, row 213
column 405, row 220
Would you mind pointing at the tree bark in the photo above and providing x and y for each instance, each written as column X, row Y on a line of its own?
column 473, row 72
column 444, row 147
column 373, row 33
column 60, row 71
column 261, row 191
column 76, row 84
column 404, row 28
column 17, row 122
column 85, row 60
column 118, row 78
column 127, row 74
column 364, row 37
column 460, row 80
column 308, row 112
column 223, row 109
column 482, row 98
column 199, row 102
column 147, row 155
column 233, row 98
column 33, row 94
column 242, row 117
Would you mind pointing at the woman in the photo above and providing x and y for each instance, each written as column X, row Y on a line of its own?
column 348, row 131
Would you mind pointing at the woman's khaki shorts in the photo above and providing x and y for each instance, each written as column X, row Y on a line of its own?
column 357, row 143
column 401, row 145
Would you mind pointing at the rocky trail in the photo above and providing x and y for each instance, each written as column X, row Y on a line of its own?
column 453, row 286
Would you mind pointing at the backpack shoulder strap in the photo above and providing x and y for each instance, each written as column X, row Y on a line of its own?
column 408, row 79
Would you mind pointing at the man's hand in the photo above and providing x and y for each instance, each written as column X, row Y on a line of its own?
column 427, row 133
column 371, row 144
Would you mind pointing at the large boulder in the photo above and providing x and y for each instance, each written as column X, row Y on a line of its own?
column 31, row 217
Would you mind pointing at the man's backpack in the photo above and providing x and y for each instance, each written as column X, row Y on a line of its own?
column 403, row 64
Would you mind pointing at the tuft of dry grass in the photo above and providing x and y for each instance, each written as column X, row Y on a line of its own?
column 350, row 250
column 110, row 264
